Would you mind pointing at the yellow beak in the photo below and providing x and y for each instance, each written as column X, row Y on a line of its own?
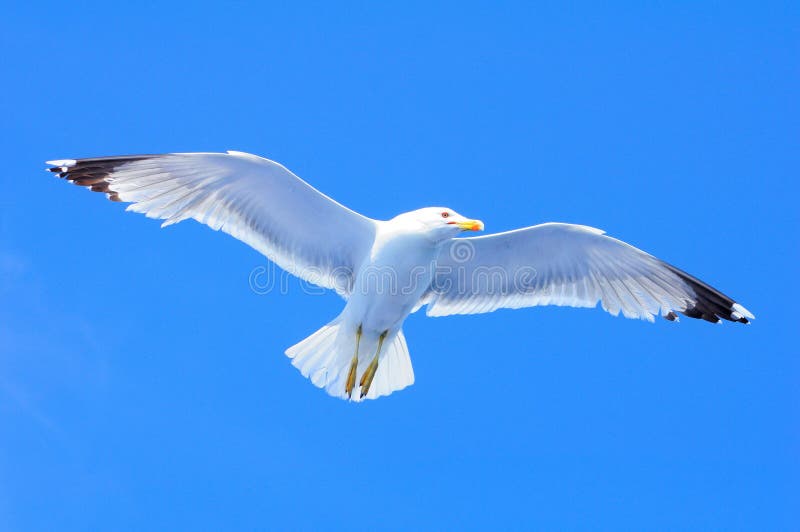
column 471, row 225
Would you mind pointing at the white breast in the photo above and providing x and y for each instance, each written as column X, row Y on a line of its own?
column 391, row 281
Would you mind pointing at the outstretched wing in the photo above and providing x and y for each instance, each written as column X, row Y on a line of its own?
column 253, row 199
column 568, row 265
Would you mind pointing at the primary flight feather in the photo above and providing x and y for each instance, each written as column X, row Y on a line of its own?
column 386, row 270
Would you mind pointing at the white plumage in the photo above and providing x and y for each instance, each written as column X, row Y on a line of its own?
column 568, row 265
column 387, row 269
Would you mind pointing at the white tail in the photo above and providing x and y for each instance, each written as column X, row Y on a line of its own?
column 325, row 356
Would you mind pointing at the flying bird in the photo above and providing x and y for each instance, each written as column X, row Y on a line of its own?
column 385, row 270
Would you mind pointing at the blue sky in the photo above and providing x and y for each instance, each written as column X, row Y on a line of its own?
column 142, row 382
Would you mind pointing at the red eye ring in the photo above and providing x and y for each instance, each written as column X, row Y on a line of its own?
column 445, row 214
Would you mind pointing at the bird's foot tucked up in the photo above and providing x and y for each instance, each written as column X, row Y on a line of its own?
column 351, row 376
column 369, row 373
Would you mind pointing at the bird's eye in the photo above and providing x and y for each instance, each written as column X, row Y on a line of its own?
column 445, row 214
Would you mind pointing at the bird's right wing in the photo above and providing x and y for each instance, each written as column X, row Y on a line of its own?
column 572, row 265
column 253, row 199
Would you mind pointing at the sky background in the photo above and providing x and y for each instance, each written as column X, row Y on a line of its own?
column 143, row 383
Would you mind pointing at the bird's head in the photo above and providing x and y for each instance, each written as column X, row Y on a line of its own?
column 440, row 222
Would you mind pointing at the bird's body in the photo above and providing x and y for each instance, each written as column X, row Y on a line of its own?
column 386, row 270
column 389, row 284
column 393, row 277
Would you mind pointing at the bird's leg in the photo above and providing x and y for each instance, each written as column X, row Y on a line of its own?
column 369, row 374
column 351, row 377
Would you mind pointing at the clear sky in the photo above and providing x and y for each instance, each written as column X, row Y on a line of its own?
column 143, row 383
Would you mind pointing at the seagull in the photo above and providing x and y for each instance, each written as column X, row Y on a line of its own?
column 386, row 270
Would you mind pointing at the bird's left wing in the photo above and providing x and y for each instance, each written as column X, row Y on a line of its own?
column 567, row 265
column 253, row 199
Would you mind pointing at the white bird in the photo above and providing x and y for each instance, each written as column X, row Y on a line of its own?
column 386, row 270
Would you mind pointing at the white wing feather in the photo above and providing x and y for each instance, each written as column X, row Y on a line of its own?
column 567, row 265
column 253, row 199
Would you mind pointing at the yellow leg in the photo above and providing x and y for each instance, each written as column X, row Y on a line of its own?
column 369, row 374
column 351, row 377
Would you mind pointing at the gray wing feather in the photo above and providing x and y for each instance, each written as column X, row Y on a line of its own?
column 568, row 265
column 253, row 199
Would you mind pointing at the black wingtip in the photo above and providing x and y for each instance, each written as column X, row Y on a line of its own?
column 93, row 173
column 710, row 304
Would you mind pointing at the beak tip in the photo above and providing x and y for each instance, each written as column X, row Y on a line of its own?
column 471, row 225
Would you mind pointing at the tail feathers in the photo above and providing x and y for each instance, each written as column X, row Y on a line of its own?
column 325, row 357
